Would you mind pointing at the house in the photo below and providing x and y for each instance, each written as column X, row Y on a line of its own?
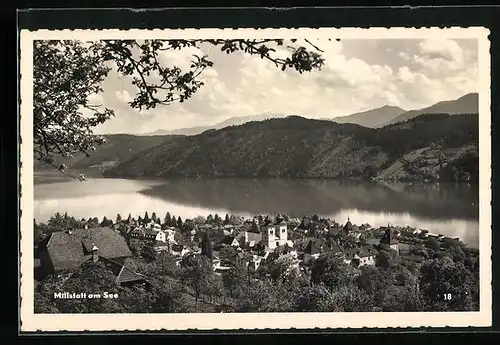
column 360, row 256
column 242, row 259
column 255, row 262
column 373, row 241
column 124, row 276
column 313, row 250
column 70, row 249
column 231, row 241
column 162, row 246
column 179, row 250
column 136, row 233
column 169, row 235
column 160, row 236
column 389, row 240
column 249, row 238
column 288, row 250
column 404, row 248
column 153, row 225
column 275, row 234
column 149, row 234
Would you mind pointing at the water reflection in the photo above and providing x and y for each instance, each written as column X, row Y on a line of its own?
column 450, row 209
column 323, row 197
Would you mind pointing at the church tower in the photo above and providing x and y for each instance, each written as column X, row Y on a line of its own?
column 269, row 236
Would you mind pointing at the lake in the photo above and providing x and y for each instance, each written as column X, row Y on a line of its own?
column 447, row 208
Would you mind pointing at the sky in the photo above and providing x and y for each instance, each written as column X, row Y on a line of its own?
column 358, row 75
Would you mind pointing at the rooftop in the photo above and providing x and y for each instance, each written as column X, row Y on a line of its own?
column 71, row 250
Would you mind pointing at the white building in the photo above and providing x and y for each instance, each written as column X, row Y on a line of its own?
column 275, row 235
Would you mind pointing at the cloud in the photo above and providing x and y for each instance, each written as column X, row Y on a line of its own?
column 181, row 58
column 404, row 55
column 441, row 49
column 357, row 75
column 96, row 99
column 123, row 96
column 442, row 57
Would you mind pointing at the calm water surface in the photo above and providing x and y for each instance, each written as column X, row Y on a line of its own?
column 451, row 209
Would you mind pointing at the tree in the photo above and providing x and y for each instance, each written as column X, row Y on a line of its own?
column 90, row 278
column 372, row 280
column 362, row 238
column 173, row 221
column 118, row 218
column 93, row 222
column 166, row 265
column 217, row 219
column 349, row 298
column 304, row 224
column 316, row 298
column 188, row 225
column 332, row 271
column 179, row 222
column 154, row 218
column 454, row 248
column 279, row 218
column 41, row 230
column 168, row 219
column 234, row 281
column 146, row 218
column 383, row 259
column 148, row 253
column 106, row 222
column 226, row 219
column 262, row 296
column 129, row 218
column 446, row 285
column 405, row 299
column 432, row 243
column 284, row 267
column 66, row 73
column 206, row 246
column 196, row 273
column 210, row 219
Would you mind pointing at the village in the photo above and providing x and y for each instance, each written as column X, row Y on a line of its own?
column 231, row 243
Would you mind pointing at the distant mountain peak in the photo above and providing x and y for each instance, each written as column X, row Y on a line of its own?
column 372, row 118
column 466, row 104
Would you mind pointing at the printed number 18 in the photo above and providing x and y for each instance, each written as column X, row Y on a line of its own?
column 447, row 296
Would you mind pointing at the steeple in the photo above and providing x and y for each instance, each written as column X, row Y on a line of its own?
column 348, row 226
column 95, row 255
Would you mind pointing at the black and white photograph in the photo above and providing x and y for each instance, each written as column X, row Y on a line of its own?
column 262, row 178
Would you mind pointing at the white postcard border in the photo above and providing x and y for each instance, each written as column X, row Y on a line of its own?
column 234, row 321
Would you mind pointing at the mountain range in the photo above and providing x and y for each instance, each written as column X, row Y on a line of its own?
column 428, row 147
column 468, row 104
column 233, row 121
column 374, row 118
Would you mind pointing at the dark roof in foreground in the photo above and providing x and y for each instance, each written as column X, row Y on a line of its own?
column 122, row 273
column 71, row 250
column 361, row 252
column 316, row 246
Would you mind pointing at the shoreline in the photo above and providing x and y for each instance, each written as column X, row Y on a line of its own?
column 101, row 174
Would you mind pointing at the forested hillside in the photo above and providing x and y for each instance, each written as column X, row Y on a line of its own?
column 298, row 147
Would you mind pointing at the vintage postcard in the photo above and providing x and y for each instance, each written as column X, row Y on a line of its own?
column 216, row 179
